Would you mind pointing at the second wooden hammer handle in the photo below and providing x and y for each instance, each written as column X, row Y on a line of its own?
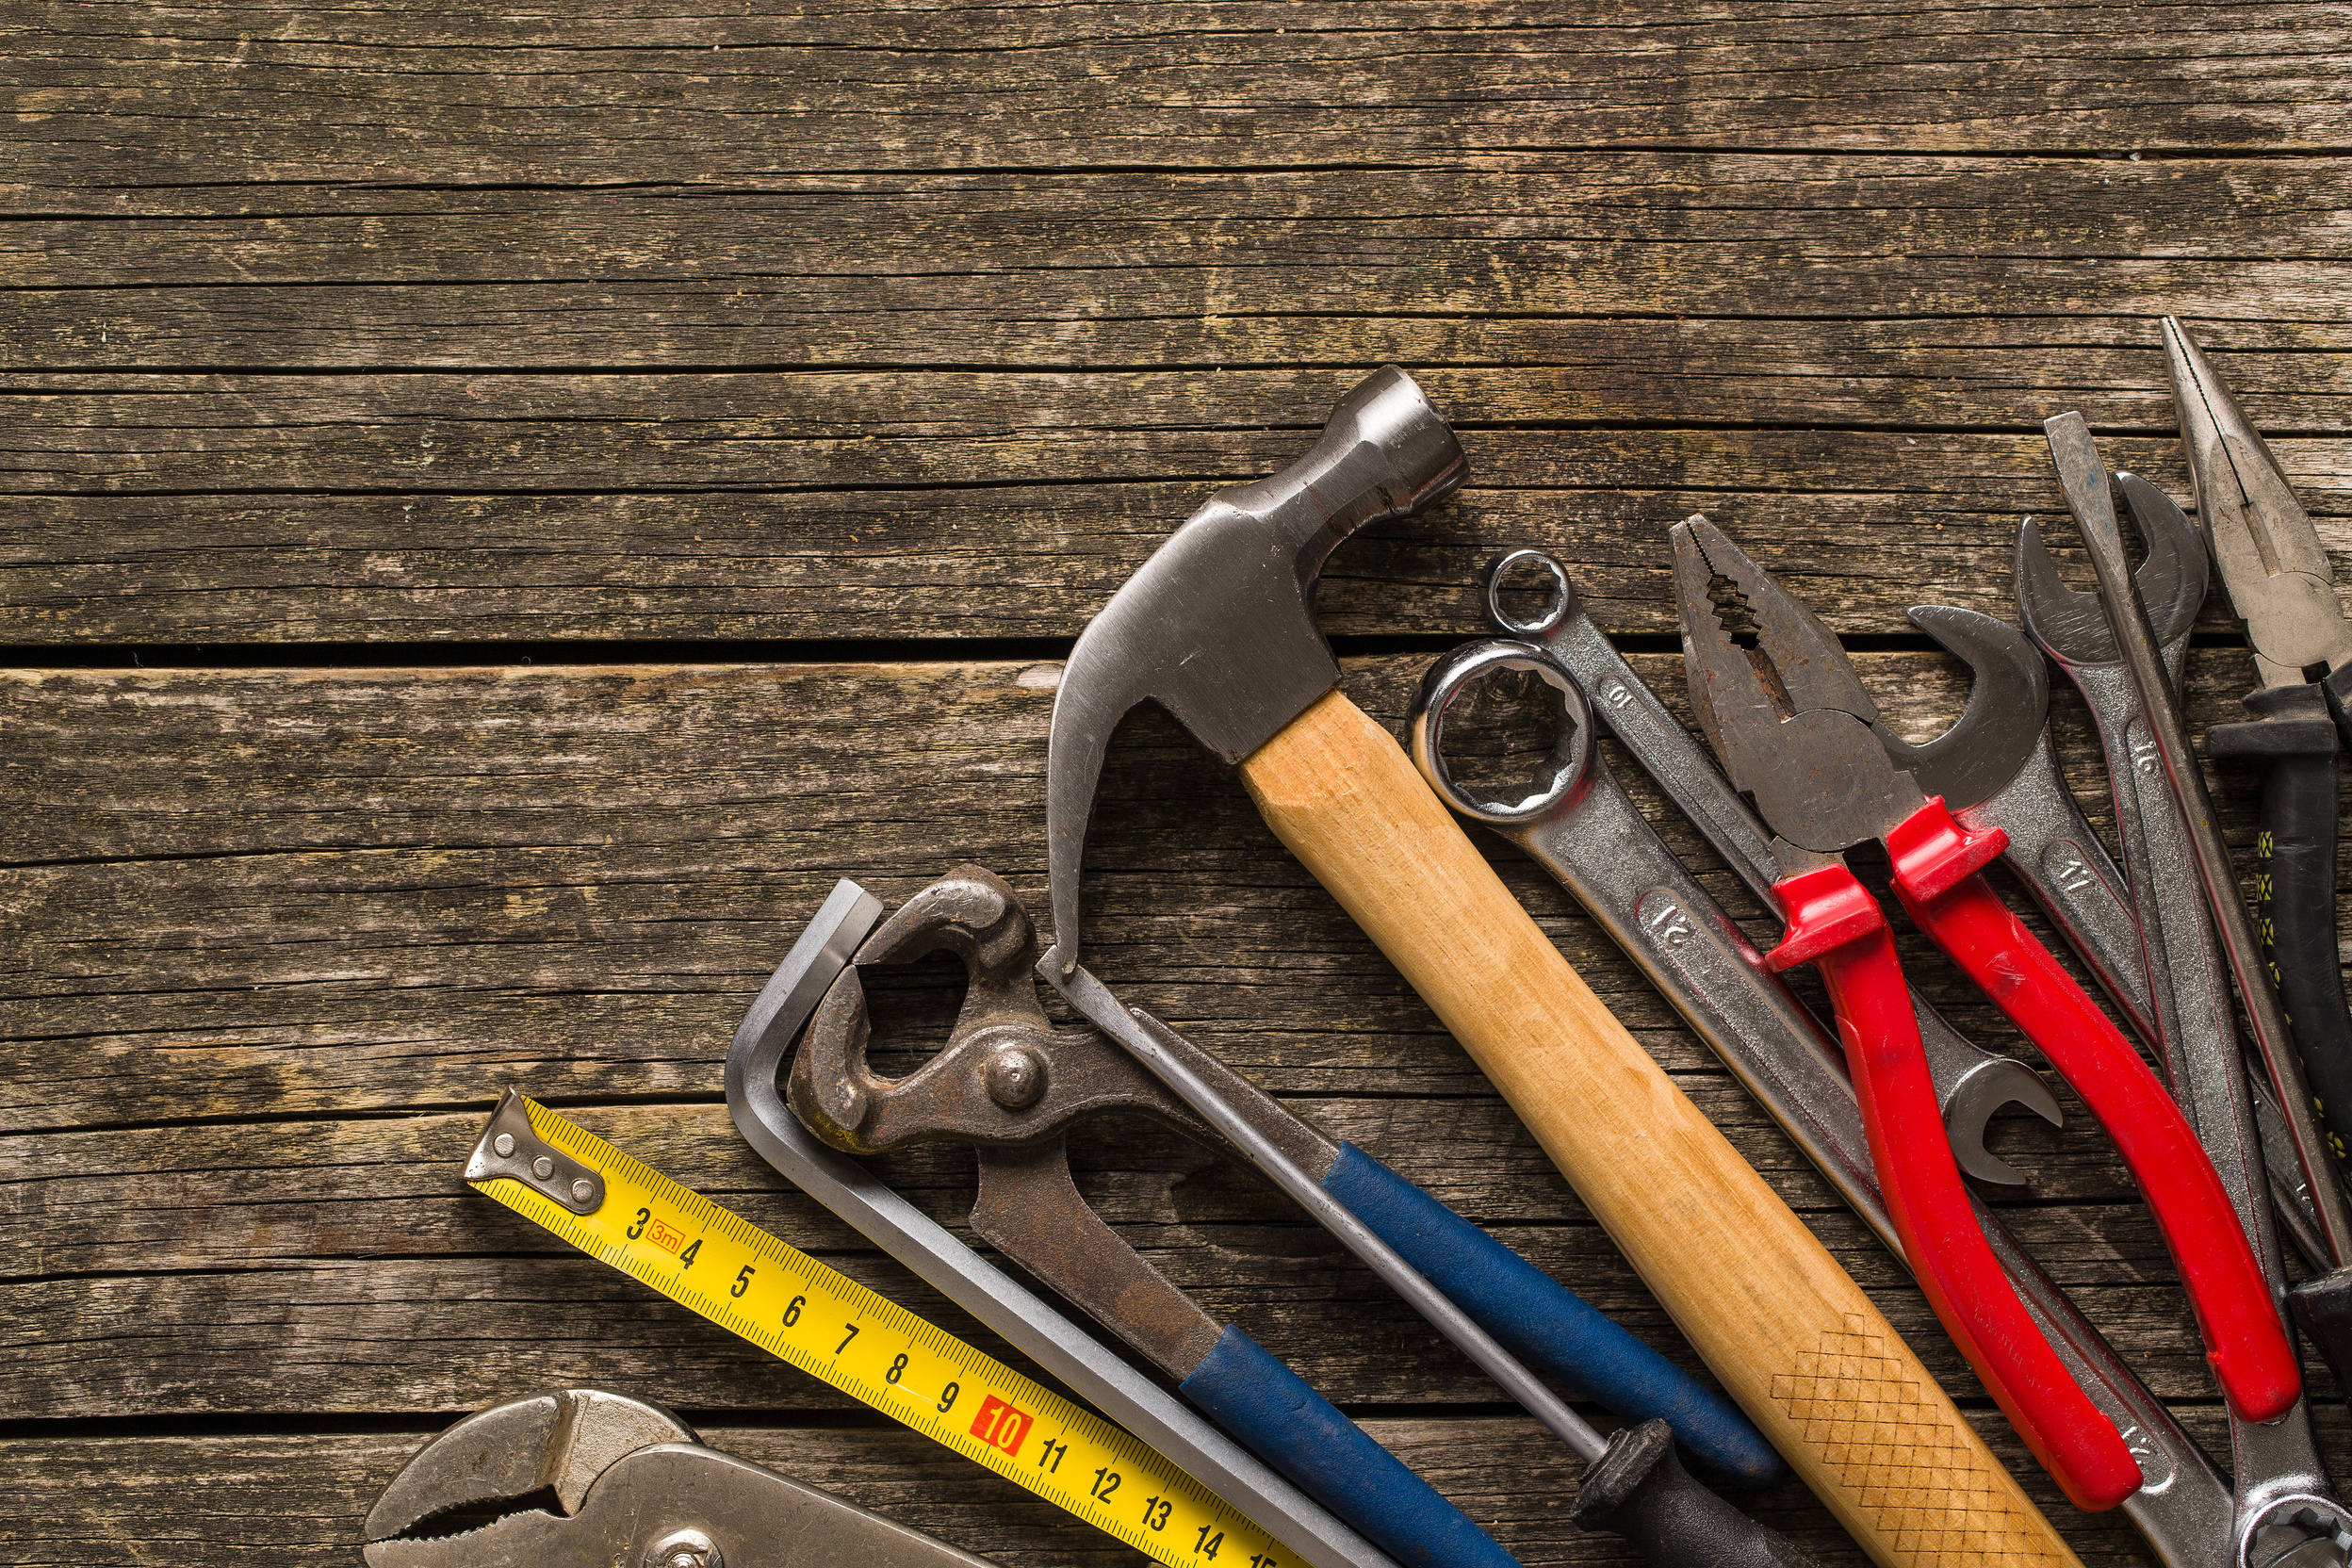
column 1790, row 1336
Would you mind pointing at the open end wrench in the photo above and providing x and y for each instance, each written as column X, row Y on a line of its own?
column 1579, row 825
column 1971, row 1082
column 2132, row 964
column 2054, row 851
column 2059, row 857
column 2283, row 1505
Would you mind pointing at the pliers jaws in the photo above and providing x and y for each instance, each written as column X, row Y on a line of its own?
column 1773, row 686
column 2279, row 578
column 585, row 1479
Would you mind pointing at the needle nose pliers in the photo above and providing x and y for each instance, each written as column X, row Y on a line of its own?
column 1793, row 725
column 2281, row 584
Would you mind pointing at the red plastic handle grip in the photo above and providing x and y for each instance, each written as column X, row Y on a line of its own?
column 2247, row 1346
column 1920, row 1182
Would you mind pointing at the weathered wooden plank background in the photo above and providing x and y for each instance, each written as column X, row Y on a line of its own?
column 497, row 511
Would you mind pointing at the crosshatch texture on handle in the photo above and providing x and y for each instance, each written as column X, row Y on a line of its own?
column 1752, row 1288
column 1858, row 1379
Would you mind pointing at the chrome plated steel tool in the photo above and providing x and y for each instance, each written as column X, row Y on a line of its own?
column 1217, row 627
column 1012, row 1086
column 584, row 1479
column 755, row 1096
column 2281, row 1485
column 2052, row 849
column 1796, row 731
column 2283, row 587
column 1971, row 1083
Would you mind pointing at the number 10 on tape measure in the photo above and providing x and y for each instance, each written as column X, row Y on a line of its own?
column 711, row 1262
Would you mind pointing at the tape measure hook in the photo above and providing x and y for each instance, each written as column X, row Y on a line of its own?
column 510, row 1150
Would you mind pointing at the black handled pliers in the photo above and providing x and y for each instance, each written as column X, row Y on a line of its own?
column 2281, row 584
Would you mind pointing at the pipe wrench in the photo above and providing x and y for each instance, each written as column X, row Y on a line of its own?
column 1012, row 1086
column 583, row 1479
column 1576, row 823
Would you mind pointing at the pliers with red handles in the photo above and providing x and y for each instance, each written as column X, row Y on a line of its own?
column 1794, row 727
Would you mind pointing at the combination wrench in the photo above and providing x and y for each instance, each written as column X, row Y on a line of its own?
column 1578, row 824
column 2282, row 1485
column 2053, row 849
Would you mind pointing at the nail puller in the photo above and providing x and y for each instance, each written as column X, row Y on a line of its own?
column 585, row 1479
column 2282, row 586
column 1575, row 822
column 1795, row 731
column 1012, row 1086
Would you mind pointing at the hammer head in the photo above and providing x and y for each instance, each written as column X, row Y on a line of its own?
column 1219, row 626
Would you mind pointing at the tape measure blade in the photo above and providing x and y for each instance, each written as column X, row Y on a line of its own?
column 720, row 1267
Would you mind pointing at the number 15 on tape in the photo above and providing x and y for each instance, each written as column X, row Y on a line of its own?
column 722, row 1267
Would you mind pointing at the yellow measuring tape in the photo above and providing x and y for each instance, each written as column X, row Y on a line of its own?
column 721, row 1266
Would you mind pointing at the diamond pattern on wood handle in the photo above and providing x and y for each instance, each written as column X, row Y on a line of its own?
column 1942, row 1502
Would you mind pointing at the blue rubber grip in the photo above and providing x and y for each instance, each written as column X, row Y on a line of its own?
column 1549, row 1328
column 1295, row 1431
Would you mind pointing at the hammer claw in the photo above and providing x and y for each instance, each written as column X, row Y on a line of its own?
column 1218, row 626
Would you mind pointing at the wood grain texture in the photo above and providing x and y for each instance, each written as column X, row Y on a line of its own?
column 390, row 891
column 298, row 1500
column 332, row 336
column 336, row 890
column 346, row 94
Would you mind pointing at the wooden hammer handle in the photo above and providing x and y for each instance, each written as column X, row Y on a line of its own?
column 1793, row 1338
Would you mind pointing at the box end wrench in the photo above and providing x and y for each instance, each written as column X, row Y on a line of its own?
column 1971, row 1083
column 1217, row 627
column 1578, row 824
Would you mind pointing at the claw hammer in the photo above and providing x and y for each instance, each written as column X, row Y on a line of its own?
column 1218, row 629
